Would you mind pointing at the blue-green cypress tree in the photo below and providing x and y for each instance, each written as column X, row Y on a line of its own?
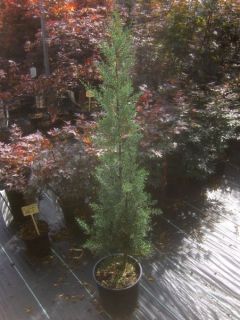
column 122, row 210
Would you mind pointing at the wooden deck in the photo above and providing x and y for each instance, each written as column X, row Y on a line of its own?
column 193, row 273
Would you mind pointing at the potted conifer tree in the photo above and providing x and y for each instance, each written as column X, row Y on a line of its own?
column 122, row 210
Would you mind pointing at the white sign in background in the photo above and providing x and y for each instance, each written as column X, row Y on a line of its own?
column 5, row 208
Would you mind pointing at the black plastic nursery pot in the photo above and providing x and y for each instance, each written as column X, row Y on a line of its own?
column 16, row 201
column 68, row 210
column 119, row 301
column 36, row 245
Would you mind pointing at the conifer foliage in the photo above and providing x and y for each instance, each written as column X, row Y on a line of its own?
column 122, row 211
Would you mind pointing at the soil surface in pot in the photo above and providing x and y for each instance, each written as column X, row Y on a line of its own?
column 28, row 231
column 113, row 274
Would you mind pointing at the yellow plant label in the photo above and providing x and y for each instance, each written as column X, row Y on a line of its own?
column 89, row 94
column 30, row 209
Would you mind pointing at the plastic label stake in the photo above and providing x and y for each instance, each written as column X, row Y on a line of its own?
column 30, row 210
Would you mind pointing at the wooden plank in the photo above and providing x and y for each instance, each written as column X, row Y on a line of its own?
column 58, row 292
column 16, row 302
column 193, row 274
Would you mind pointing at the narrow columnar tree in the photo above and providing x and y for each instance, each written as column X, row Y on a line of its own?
column 122, row 210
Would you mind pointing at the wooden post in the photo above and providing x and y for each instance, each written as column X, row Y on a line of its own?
column 89, row 104
column 89, row 95
column 35, row 225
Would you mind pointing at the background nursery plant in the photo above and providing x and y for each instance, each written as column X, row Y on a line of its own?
column 122, row 210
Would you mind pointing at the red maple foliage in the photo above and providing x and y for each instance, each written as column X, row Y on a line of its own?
column 17, row 157
column 74, row 31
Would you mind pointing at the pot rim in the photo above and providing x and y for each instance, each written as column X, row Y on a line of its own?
column 117, row 289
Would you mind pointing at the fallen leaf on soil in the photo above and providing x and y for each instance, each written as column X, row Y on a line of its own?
column 150, row 279
column 28, row 310
column 72, row 298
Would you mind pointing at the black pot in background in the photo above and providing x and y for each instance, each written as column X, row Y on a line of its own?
column 16, row 201
column 68, row 212
column 118, row 301
column 39, row 245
